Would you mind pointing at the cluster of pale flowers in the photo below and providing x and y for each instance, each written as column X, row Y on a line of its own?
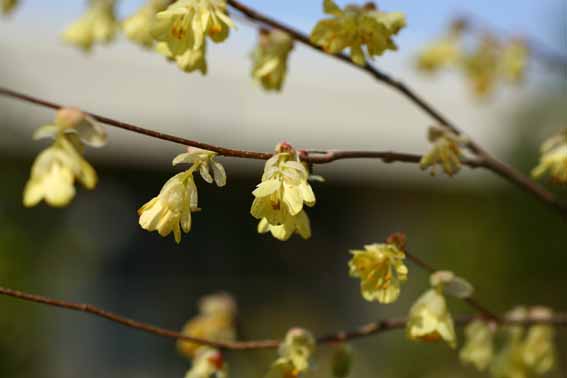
column 489, row 62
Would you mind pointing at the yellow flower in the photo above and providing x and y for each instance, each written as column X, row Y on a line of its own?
column 381, row 270
column 138, row 26
column 443, row 52
column 514, row 60
column 280, row 197
column 185, row 24
column 208, row 363
column 539, row 350
column 216, row 321
column 430, row 320
column 445, row 152
column 355, row 27
column 171, row 209
column 481, row 67
column 56, row 168
column 8, row 6
column 189, row 61
column 450, row 284
column 270, row 58
column 295, row 352
column 97, row 25
column 553, row 159
column 478, row 348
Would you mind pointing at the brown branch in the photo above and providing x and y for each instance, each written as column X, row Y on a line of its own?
column 318, row 157
column 486, row 159
column 559, row 319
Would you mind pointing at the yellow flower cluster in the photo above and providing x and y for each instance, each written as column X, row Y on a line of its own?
column 280, row 197
column 523, row 354
column 138, row 26
column 171, row 209
column 381, row 270
column 269, row 58
column 553, row 159
column 445, row 151
column 97, row 25
column 55, row 169
column 429, row 317
column 182, row 28
column 356, row 27
column 484, row 66
column 295, row 352
column 216, row 322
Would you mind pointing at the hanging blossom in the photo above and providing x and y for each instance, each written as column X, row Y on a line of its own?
column 482, row 66
column 478, row 349
column 216, row 321
column 55, row 169
column 525, row 354
column 553, row 161
column 429, row 317
column 138, row 26
column 445, row 151
column 295, row 352
column 208, row 363
column 97, row 25
column 8, row 6
column 280, row 197
column 444, row 52
column 356, row 27
column 269, row 58
column 513, row 61
column 182, row 28
column 381, row 270
column 171, row 209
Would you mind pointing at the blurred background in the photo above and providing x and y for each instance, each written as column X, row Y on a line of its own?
column 503, row 240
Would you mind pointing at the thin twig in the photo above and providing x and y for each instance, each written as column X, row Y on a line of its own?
column 485, row 158
column 373, row 328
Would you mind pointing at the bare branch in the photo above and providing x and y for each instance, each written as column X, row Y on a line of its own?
column 559, row 319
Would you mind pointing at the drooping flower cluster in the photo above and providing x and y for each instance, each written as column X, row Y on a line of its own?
column 182, row 28
column 216, row 322
column 357, row 27
column 55, row 169
column 445, row 151
column 429, row 317
column 269, row 58
column 97, row 25
column 170, row 211
column 553, row 161
column 280, row 197
column 490, row 61
column 381, row 270
column 522, row 354
column 295, row 352
column 138, row 27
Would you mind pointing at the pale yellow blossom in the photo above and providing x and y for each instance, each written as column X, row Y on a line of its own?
column 190, row 61
column 216, row 321
column 553, row 161
column 444, row 52
column 282, row 194
column 138, row 26
column 539, row 348
column 356, row 27
column 55, row 169
column 445, row 151
column 295, row 352
column 451, row 284
column 208, row 362
column 478, row 349
column 514, row 60
column 97, row 25
column 170, row 211
column 381, row 270
column 185, row 24
column 482, row 66
column 270, row 57
column 430, row 320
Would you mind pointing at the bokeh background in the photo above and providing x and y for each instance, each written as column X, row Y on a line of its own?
column 503, row 240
